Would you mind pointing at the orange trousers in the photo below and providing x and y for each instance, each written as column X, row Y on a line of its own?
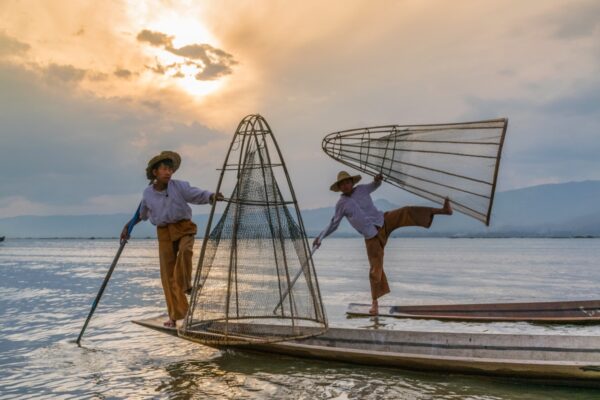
column 175, row 247
column 405, row 216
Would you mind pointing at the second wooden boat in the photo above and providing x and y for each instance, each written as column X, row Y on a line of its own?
column 586, row 311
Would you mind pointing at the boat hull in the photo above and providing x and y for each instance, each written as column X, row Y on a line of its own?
column 587, row 311
column 553, row 359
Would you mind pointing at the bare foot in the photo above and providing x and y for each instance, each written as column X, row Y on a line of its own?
column 374, row 310
column 447, row 208
column 170, row 324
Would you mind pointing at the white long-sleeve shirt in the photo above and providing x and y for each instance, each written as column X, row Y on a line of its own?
column 171, row 205
column 358, row 207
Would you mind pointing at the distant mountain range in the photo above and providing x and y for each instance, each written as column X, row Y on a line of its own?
column 565, row 209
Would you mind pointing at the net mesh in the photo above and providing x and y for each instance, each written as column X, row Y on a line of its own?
column 459, row 161
column 255, row 280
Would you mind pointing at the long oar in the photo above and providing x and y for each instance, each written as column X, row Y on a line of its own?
column 109, row 273
column 295, row 279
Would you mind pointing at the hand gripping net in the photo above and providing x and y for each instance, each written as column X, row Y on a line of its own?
column 459, row 161
column 255, row 281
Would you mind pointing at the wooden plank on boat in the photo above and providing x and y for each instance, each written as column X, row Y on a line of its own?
column 587, row 311
column 553, row 359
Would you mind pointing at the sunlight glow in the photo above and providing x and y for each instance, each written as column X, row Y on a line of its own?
column 198, row 88
column 184, row 29
column 183, row 24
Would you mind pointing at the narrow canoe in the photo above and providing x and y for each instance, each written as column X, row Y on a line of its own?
column 550, row 359
column 586, row 311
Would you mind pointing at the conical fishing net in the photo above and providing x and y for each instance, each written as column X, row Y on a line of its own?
column 255, row 281
column 459, row 161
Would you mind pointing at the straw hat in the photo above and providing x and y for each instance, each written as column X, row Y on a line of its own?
column 164, row 155
column 343, row 175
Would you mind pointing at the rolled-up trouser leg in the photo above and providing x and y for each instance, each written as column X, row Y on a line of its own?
column 177, row 304
column 183, row 265
column 407, row 216
column 377, row 278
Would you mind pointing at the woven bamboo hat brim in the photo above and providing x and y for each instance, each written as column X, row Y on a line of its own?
column 343, row 175
column 164, row 155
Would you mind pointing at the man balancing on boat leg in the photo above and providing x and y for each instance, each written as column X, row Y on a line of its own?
column 165, row 203
column 355, row 203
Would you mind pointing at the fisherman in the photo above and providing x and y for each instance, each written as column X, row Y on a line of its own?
column 355, row 203
column 165, row 203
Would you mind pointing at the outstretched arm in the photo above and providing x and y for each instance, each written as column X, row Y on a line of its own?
column 373, row 186
column 333, row 225
column 196, row 195
column 125, row 231
column 142, row 216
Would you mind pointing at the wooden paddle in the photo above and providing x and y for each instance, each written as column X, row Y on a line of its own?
column 132, row 223
column 295, row 279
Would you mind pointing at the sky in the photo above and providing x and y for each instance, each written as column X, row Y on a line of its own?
column 90, row 91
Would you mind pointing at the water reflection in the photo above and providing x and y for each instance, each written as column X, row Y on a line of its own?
column 373, row 323
column 237, row 374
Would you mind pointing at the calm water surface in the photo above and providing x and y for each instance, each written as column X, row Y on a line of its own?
column 47, row 286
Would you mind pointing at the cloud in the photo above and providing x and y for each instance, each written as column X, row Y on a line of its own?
column 584, row 102
column 95, row 76
column 169, row 69
column 11, row 46
column 192, row 134
column 204, row 52
column 63, row 73
column 576, row 100
column 155, row 38
column 70, row 146
column 123, row 73
column 342, row 67
column 206, row 72
column 576, row 19
column 551, row 139
column 213, row 62
column 213, row 71
column 14, row 206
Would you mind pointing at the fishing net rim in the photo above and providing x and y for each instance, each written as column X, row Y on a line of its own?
column 219, row 339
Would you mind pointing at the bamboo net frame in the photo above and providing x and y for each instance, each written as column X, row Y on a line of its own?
column 256, row 281
column 434, row 161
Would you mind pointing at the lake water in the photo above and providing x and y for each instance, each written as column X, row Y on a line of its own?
column 47, row 287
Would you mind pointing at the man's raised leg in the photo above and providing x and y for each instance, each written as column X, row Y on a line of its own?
column 413, row 216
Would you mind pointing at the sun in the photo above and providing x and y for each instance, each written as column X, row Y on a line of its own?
column 183, row 25
column 197, row 88
column 184, row 28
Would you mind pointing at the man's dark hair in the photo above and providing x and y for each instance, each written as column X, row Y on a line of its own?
column 166, row 163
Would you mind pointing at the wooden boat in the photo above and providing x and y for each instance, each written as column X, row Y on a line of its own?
column 587, row 311
column 551, row 359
